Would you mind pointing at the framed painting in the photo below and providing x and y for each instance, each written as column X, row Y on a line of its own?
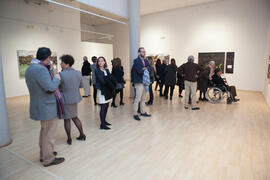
column 229, row 62
column 206, row 57
column 25, row 57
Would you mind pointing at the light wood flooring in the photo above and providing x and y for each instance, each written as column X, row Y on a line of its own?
column 220, row 141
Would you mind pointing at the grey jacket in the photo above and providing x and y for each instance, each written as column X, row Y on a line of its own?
column 93, row 68
column 41, row 89
column 71, row 82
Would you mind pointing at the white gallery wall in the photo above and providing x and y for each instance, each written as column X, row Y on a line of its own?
column 27, row 27
column 238, row 26
column 120, row 43
column 266, row 90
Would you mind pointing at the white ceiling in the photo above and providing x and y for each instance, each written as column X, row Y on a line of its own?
column 147, row 7
column 153, row 6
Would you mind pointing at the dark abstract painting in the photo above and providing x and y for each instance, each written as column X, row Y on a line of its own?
column 218, row 57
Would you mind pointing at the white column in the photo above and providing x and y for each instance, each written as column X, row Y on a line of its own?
column 4, row 132
column 134, row 32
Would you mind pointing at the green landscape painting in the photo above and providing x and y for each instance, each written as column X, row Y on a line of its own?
column 25, row 57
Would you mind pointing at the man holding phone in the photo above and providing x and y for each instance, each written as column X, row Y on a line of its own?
column 42, row 84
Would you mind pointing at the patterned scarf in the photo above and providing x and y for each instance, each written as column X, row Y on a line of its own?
column 59, row 100
column 146, row 80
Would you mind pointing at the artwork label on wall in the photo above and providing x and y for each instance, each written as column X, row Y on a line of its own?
column 25, row 57
column 218, row 57
column 229, row 62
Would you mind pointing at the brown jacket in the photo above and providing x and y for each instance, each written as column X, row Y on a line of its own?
column 190, row 71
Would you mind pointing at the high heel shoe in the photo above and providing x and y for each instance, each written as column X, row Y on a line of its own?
column 69, row 141
column 81, row 138
column 122, row 104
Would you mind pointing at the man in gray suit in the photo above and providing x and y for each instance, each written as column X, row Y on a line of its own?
column 42, row 84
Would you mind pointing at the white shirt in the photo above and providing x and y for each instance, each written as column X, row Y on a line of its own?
column 101, row 98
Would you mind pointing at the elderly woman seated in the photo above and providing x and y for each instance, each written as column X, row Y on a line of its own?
column 219, row 82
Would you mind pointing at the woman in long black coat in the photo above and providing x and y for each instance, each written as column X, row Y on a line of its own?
column 180, row 82
column 118, row 73
column 203, row 83
column 157, row 73
column 170, row 79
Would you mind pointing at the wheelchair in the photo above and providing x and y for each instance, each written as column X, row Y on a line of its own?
column 217, row 93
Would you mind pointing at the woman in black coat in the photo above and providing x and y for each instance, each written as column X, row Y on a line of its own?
column 180, row 82
column 104, row 93
column 157, row 73
column 203, row 83
column 152, row 79
column 118, row 73
column 170, row 79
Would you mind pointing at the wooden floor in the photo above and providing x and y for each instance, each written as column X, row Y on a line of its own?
column 218, row 142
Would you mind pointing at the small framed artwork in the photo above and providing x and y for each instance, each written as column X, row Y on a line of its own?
column 230, row 62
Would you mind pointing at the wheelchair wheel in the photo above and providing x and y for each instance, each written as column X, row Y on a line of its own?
column 214, row 95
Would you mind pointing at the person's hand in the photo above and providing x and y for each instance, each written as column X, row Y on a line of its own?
column 58, row 77
column 196, row 76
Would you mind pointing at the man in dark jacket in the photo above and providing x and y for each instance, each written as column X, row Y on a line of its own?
column 86, row 71
column 190, row 72
column 140, row 65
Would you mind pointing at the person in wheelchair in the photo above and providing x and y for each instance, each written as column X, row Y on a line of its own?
column 220, row 83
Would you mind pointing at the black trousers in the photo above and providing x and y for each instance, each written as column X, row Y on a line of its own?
column 95, row 93
column 103, row 113
column 157, row 84
column 166, row 92
column 161, row 88
column 151, row 94
column 121, row 95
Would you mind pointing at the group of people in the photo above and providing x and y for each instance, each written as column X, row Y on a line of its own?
column 89, row 78
column 191, row 77
column 56, row 96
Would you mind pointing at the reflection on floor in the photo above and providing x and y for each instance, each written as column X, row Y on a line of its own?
column 218, row 142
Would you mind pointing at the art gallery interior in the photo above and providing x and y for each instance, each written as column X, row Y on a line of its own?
column 220, row 141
